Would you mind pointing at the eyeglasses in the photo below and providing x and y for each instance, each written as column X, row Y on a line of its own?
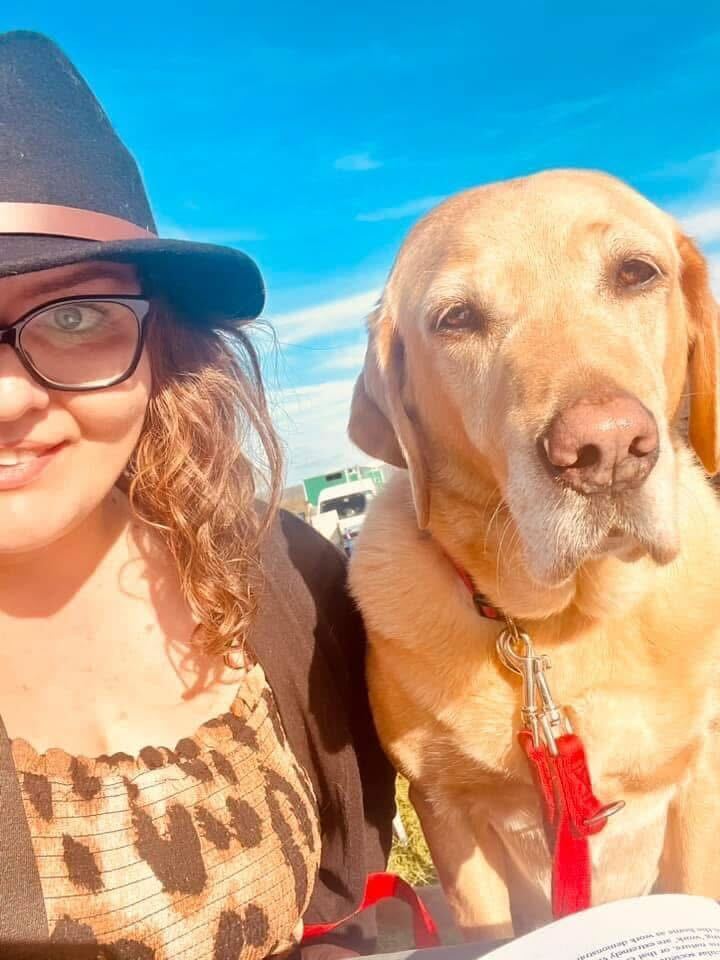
column 85, row 343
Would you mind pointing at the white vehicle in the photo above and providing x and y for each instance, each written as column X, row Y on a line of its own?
column 328, row 524
column 348, row 502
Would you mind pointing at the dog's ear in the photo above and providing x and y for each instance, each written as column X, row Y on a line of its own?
column 379, row 423
column 704, row 361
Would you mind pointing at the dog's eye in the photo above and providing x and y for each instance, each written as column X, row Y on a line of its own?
column 633, row 274
column 460, row 317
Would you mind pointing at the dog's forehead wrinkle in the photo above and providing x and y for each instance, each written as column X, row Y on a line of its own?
column 449, row 290
column 536, row 219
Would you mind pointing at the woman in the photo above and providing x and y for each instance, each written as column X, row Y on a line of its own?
column 182, row 683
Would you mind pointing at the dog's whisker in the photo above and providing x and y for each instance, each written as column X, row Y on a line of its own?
column 488, row 526
column 499, row 558
column 502, row 506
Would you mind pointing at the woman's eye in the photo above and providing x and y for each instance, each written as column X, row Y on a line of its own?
column 457, row 318
column 633, row 274
column 69, row 318
column 75, row 317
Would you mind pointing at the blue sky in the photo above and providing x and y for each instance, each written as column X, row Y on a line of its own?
column 313, row 135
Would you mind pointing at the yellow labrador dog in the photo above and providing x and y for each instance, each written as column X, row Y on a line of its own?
column 527, row 364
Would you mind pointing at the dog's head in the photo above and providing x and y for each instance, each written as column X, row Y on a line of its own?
column 535, row 336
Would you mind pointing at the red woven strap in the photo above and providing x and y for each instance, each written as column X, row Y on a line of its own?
column 482, row 604
column 568, row 802
column 381, row 886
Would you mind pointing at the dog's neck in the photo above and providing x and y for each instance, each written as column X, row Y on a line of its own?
column 477, row 532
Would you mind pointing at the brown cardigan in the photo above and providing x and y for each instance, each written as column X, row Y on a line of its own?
column 310, row 640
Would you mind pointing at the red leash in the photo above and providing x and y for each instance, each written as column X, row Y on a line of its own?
column 557, row 759
column 573, row 814
column 381, row 886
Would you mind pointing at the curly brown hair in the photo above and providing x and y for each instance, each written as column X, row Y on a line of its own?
column 206, row 441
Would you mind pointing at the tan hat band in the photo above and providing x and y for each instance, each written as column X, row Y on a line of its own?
column 48, row 219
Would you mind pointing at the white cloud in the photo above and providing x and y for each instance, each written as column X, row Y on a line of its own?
column 700, row 165
column 221, row 235
column 346, row 358
column 345, row 313
column 714, row 264
column 704, row 224
column 312, row 420
column 560, row 110
column 409, row 209
column 357, row 163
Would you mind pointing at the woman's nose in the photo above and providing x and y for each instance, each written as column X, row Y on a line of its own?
column 19, row 392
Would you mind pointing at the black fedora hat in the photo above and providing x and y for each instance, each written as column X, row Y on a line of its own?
column 70, row 192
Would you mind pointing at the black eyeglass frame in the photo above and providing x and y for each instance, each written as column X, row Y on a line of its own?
column 12, row 336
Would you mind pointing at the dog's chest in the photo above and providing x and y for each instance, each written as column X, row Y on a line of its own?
column 639, row 736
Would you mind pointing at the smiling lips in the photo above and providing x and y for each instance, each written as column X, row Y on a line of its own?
column 21, row 464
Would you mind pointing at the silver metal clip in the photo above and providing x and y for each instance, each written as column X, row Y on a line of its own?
column 540, row 714
column 607, row 811
column 545, row 720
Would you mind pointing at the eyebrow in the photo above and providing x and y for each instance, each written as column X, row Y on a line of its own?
column 72, row 279
column 446, row 294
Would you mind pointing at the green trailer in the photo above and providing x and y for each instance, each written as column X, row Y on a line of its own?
column 313, row 486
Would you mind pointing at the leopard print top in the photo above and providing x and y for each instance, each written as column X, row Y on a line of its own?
column 205, row 852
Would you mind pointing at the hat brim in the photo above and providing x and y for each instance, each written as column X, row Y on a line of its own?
column 208, row 284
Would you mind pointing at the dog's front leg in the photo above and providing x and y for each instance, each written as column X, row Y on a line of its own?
column 691, row 856
column 470, row 863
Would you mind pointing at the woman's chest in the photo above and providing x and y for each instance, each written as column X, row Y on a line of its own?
column 123, row 681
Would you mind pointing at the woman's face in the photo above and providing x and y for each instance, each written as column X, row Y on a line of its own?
column 61, row 453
